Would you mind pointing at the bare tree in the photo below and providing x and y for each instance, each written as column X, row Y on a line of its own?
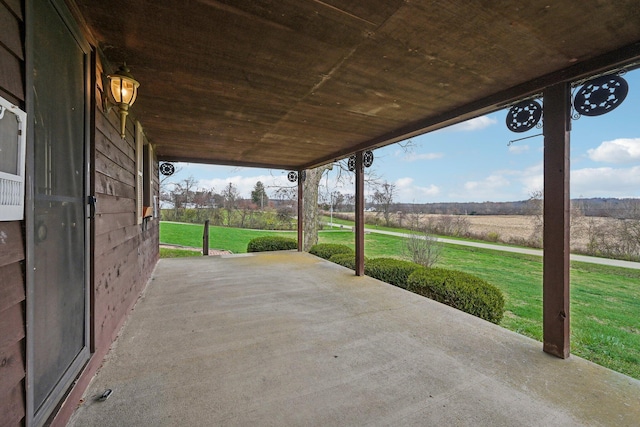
column 449, row 225
column 203, row 198
column 246, row 208
column 421, row 246
column 338, row 200
column 383, row 198
column 230, row 195
column 311, row 190
column 535, row 208
column 349, row 202
column 619, row 238
column 166, row 185
column 181, row 194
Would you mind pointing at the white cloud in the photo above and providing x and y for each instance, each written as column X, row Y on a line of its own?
column 503, row 185
column 531, row 178
column 622, row 150
column 492, row 182
column 408, row 192
column 606, row 182
column 473, row 124
column 518, row 149
column 520, row 184
column 412, row 157
column 404, row 182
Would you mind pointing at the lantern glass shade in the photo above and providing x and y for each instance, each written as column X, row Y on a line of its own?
column 123, row 89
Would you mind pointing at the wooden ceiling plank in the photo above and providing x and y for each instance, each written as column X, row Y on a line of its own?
column 303, row 82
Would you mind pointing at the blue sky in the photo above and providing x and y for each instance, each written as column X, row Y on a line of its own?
column 472, row 161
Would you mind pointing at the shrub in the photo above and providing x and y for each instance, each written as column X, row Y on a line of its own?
column 493, row 236
column 422, row 248
column 327, row 250
column 271, row 243
column 345, row 260
column 459, row 290
column 391, row 270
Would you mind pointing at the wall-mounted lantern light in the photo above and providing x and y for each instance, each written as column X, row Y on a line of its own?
column 123, row 90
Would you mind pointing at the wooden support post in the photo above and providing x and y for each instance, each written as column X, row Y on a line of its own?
column 300, row 209
column 359, row 215
column 205, row 239
column 557, row 130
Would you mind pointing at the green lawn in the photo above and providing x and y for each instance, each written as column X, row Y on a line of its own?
column 230, row 239
column 178, row 253
column 605, row 301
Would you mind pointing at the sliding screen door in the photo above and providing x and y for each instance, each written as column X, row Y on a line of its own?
column 58, row 300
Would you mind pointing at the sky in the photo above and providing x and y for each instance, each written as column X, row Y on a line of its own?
column 475, row 161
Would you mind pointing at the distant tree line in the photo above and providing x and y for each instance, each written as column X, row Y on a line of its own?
column 600, row 207
column 184, row 202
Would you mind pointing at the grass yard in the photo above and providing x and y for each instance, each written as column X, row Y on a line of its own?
column 177, row 253
column 605, row 301
column 230, row 239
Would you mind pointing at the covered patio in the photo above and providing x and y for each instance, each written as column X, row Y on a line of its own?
column 291, row 85
column 232, row 341
column 299, row 84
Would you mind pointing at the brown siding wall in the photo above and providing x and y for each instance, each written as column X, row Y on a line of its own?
column 12, row 51
column 123, row 253
column 12, row 249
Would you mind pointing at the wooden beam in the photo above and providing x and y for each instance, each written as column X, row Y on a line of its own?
column 557, row 129
column 359, row 216
column 300, row 209
column 222, row 162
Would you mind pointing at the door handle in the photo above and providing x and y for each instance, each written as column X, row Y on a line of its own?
column 92, row 201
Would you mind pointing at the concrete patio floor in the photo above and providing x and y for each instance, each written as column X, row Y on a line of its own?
column 280, row 339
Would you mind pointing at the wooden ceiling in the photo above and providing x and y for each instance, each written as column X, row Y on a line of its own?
column 296, row 83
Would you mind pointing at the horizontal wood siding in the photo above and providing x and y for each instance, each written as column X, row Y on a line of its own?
column 12, row 52
column 12, row 324
column 125, row 253
column 12, row 249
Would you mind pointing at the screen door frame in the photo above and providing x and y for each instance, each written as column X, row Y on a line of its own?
column 38, row 416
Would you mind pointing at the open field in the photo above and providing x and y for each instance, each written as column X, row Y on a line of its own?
column 507, row 227
column 512, row 229
column 604, row 300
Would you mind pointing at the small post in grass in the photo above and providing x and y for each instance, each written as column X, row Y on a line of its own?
column 205, row 239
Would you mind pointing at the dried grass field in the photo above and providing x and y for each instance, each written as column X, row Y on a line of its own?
column 507, row 227
column 523, row 230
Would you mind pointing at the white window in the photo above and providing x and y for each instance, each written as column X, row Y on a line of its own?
column 147, row 181
column 144, row 176
column 12, row 160
column 139, row 172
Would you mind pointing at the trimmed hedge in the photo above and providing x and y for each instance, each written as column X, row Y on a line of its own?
column 345, row 260
column 327, row 250
column 271, row 243
column 391, row 270
column 459, row 290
